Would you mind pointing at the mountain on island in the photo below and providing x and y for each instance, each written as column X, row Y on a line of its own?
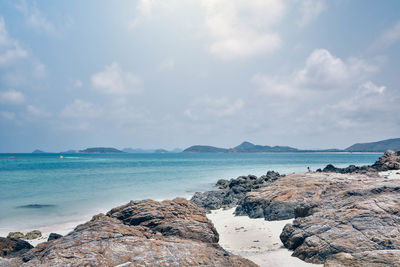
column 245, row 147
column 101, row 150
column 380, row 146
column 38, row 151
column 144, row 151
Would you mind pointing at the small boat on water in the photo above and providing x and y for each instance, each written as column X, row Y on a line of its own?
column 61, row 156
column 11, row 157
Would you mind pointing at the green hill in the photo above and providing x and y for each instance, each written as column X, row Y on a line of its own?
column 380, row 146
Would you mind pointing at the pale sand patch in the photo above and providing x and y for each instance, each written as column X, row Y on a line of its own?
column 254, row 239
column 395, row 174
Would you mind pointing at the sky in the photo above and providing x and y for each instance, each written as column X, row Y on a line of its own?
column 172, row 73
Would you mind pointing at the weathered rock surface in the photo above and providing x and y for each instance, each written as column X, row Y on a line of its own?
column 16, row 235
column 32, row 235
column 389, row 161
column 232, row 191
column 13, row 247
column 141, row 233
column 349, row 213
column 376, row 258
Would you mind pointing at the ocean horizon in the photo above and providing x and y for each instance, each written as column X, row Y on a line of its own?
column 38, row 190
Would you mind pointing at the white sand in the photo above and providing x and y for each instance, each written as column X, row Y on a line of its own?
column 254, row 239
column 391, row 174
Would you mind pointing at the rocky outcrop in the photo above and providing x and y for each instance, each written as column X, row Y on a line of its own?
column 140, row 233
column 389, row 161
column 13, row 247
column 232, row 191
column 350, row 213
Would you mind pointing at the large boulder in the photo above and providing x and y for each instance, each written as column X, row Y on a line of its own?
column 389, row 161
column 140, row 233
column 334, row 213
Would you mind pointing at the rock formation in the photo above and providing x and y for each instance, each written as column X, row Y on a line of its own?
column 389, row 161
column 140, row 233
column 350, row 213
column 232, row 191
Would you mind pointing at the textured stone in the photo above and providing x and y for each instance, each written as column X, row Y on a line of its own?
column 232, row 191
column 334, row 213
column 33, row 235
column 141, row 233
column 11, row 246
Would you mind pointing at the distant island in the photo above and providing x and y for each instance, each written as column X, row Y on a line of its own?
column 380, row 146
column 247, row 147
column 160, row 150
column 101, row 150
column 38, row 151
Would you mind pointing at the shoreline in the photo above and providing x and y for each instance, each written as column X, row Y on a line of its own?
column 254, row 239
column 257, row 240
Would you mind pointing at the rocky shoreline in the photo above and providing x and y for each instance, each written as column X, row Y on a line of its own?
column 342, row 217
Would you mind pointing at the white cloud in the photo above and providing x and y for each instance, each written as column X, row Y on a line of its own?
column 144, row 9
column 310, row 10
column 7, row 115
column 322, row 71
column 327, row 95
column 39, row 70
column 78, row 84
column 114, row 81
column 211, row 107
column 241, row 28
column 80, row 109
column 34, row 112
column 34, row 19
column 167, row 64
column 12, row 97
column 369, row 87
column 10, row 50
column 388, row 38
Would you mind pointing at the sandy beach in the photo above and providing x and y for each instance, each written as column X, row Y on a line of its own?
column 254, row 239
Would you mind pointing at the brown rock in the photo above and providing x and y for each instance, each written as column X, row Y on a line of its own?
column 389, row 161
column 177, row 218
column 141, row 233
column 335, row 213
column 375, row 258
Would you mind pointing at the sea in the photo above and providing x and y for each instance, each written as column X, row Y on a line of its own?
column 38, row 190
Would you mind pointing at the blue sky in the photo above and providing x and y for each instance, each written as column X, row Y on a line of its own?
column 153, row 73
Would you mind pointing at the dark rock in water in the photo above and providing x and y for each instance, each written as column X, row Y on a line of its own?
column 16, row 235
column 13, row 247
column 32, row 235
column 141, row 233
column 36, row 206
column 232, row 191
column 54, row 236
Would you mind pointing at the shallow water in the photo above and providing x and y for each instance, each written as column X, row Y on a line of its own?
column 43, row 189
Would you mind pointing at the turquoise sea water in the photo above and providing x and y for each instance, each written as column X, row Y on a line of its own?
column 81, row 185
